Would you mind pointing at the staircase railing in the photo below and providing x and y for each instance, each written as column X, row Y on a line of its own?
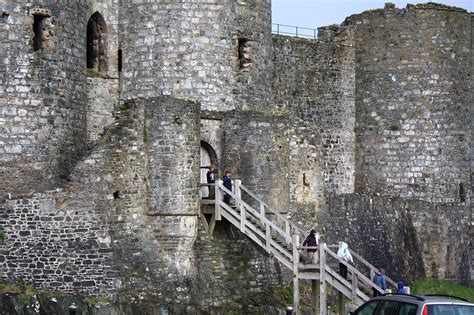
column 265, row 226
column 371, row 269
column 279, row 236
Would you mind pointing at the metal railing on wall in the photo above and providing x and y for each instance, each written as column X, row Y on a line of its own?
column 297, row 31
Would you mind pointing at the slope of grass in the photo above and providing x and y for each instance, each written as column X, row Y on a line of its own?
column 435, row 286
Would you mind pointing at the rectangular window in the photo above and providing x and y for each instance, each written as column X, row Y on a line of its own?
column 38, row 21
column 245, row 53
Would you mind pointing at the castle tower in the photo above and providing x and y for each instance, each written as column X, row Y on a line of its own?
column 217, row 53
column 42, row 88
column 413, row 101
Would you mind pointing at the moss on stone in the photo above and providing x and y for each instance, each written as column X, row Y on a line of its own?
column 123, row 106
column 178, row 120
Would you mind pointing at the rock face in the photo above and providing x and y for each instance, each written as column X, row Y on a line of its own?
column 363, row 133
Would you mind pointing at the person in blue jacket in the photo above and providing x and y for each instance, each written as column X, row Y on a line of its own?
column 401, row 287
column 380, row 281
column 228, row 185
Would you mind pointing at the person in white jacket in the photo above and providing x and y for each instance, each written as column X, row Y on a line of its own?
column 344, row 254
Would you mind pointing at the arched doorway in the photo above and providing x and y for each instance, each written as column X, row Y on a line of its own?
column 208, row 157
column 96, row 43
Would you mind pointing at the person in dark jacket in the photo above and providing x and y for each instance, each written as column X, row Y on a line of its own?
column 228, row 185
column 311, row 240
column 210, row 176
column 380, row 281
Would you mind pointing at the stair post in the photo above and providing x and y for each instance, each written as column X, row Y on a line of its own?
column 238, row 204
column 314, row 295
column 322, row 281
column 355, row 285
column 342, row 305
column 296, row 288
column 237, row 191
column 218, row 198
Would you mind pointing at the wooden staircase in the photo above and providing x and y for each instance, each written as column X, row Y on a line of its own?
column 281, row 238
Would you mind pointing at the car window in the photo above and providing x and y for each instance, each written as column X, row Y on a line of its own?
column 408, row 309
column 389, row 308
column 367, row 309
column 449, row 309
column 465, row 310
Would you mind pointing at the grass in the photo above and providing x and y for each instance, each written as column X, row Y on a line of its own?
column 27, row 289
column 95, row 73
column 435, row 286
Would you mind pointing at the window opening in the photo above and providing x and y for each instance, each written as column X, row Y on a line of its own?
column 44, row 39
column 462, row 193
column 120, row 60
column 38, row 21
column 96, row 43
column 245, row 53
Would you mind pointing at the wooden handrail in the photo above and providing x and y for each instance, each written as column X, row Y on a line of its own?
column 278, row 214
column 354, row 270
column 273, row 232
column 246, row 208
column 372, row 268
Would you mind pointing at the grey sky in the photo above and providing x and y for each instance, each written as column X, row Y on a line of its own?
column 316, row 13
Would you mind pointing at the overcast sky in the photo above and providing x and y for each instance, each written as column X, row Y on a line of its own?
column 316, row 13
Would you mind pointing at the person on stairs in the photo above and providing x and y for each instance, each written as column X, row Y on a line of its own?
column 401, row 287
column 228, row 185
column 381, row 281
column 210, row 177
column 344, row 254
column 311, row 240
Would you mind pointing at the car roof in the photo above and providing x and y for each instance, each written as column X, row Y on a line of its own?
column 421, row 299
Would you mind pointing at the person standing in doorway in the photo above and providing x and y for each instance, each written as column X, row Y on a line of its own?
column 210, row 176
column 344, row 254
column 228, row 185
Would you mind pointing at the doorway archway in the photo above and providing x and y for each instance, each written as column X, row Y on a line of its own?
column 208, row 157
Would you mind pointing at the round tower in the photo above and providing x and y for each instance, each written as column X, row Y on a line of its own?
column 412, row 101
column 217, row 53
column 41, row 91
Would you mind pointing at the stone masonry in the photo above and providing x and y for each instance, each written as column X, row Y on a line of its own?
column 364, row 134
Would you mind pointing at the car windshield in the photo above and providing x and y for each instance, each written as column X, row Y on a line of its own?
column 444, row 309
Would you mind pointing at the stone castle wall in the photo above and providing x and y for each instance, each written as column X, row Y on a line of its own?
column 377, row 105
column 410, row 238
column 256, row 151
column 190, row 49
column 314, row 81
column 42, row 88
column 413, row 101
column 106, row 233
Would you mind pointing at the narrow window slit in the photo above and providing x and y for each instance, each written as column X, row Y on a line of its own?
column 245, row 53
column 116, row 194
column 462, row 193
column 38, row 21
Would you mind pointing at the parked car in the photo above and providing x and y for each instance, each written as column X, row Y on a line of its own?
column 406, row 304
